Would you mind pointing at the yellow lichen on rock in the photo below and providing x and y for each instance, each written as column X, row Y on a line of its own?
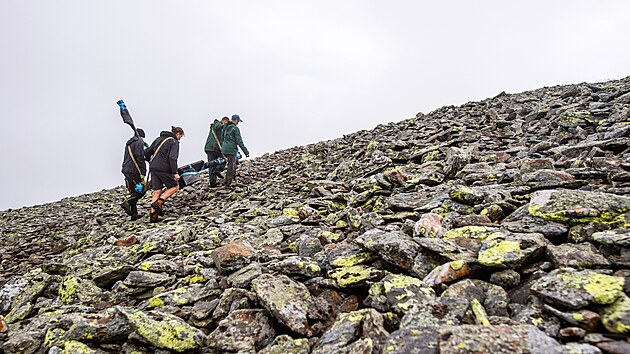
column 616, row 317
column 495, row 254
column 165, row 331
column 604, row 289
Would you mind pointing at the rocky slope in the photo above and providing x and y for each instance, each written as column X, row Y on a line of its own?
column 497, row 226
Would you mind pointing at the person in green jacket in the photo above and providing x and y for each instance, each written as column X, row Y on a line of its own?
column 213, row 149
column 231, row 142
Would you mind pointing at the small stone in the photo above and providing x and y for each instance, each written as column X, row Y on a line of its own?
column 507, row 278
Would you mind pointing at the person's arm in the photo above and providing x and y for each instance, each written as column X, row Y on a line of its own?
column 148, row 153
column 137, row 148
column 239, row 141
column 173, row 154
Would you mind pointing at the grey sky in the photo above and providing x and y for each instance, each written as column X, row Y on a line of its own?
column 296, row 71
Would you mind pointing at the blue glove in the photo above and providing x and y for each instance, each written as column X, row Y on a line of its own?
column 139, row 187
column 121, row 103
column 238, row 155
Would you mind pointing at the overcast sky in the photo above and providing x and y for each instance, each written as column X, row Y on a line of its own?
column 297, row 72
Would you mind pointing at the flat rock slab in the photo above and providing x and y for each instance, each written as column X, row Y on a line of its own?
column 577, row 207
column 580, row 256
column 286, row 299
column 495, row 339
column 511, row 251
column 165, row 331
column 575, row 290
column 616, row 237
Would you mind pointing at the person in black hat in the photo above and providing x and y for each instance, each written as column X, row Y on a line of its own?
column 134, row 169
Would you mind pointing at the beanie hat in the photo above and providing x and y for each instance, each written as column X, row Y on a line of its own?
column 140, row 132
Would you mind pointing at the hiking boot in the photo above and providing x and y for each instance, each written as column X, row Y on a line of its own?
column 158, row 206
column 126, row 207
column 155, row 218
column 136, row 217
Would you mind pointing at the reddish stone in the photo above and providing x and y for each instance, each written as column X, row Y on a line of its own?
column 130, row 241
column 233, row 256
column 3, row 325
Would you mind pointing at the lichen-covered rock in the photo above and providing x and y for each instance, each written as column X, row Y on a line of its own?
column 355, row 276
column 507, row 278
column 23, row 304
column 581, row 348
column 397, row 292
column 616, row 317
column 104, row 327
column 433, row 313
column 78, row 290
column 164, row 331
column 183, row 296
column 354, row 332
column 242, row 331
column 27, row 342
column 284, row 344
column 76, row 347
column 580, row 256
column 616, row 237
column 511, row 251
column 287, row 300
column 412, row 341
column 243, row 278
column 577, row 289
column 396, row 248
column 347, row 254
column 142, row 279
column 297, row 265
column 577, row 207
column 466, row 195
column 496, row 339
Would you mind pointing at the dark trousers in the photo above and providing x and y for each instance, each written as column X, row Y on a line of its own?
column 214, row 168
column 231, row 169
column 131, row 179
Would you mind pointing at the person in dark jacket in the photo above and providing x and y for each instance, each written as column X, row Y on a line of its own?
column 162, row 156
column 213, row 149
column 231, row 142
column 134, row 169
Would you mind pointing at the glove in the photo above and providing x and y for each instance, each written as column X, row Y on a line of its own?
column 139, row 187
column 238, row 155
column 121, row 103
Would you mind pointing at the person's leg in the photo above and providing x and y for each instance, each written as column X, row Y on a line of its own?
column 169, row 192
column 231, row 169
column 156, row 185
column 212, row 178
column 172, row 186
column 129, row 204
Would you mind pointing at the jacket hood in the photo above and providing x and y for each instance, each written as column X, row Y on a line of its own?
column 135, row 138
